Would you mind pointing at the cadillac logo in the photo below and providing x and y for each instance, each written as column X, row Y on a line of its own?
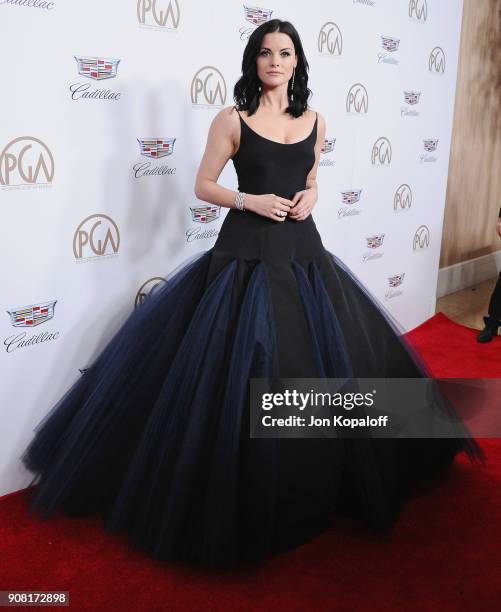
column 390, row 44
column 412, row 97
column 350, row 197
column 328, row 145
column 430, row 144
column 205, row 214
column 396, row 280
column 257, row 15
column 156, row 147
column 97, row 68
column 373, row 242
column 30, row 316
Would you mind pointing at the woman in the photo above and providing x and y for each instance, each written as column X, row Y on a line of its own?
column 155, row 435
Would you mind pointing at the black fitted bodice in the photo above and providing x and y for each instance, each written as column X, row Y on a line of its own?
column 267, row 166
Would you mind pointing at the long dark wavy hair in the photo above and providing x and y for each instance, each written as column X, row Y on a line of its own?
column 246, row 92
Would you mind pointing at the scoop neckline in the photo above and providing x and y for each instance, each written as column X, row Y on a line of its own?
column 285, row 144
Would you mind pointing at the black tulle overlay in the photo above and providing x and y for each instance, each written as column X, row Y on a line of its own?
column 154, row 436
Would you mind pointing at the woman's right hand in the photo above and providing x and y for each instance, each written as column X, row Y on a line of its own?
column 270, row 205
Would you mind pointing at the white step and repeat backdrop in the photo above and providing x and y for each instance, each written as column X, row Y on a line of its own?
column 106, row 108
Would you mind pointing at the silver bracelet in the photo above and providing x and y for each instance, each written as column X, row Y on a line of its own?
column 239, row 200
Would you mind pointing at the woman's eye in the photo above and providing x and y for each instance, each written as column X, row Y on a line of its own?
column 286, row 53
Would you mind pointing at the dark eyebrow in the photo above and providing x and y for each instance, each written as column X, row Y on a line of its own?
column 284, row 49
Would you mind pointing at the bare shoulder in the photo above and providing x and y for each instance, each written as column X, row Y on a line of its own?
column 226, row 117
column 224, row 130
column 321, row 127
column 225, row 123
column 321, row 120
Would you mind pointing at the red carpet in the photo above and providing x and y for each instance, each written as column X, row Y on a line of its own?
column 452, row 350
column 444, row 553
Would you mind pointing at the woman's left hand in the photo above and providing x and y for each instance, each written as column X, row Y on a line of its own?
column 304, row 201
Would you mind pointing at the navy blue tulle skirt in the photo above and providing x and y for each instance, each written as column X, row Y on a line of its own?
column 154, row 435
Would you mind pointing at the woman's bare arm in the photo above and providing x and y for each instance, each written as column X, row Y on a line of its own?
column 218, row 151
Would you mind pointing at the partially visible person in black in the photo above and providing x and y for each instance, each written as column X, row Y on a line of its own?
column 493, row 320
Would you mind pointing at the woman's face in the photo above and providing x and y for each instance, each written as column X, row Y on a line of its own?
column 276, row 60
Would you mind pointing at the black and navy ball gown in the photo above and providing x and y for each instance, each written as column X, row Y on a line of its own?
column 154, row 435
